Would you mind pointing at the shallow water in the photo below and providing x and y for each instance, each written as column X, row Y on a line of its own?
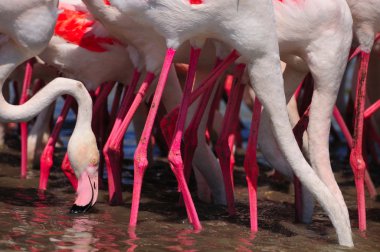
column 35, row 221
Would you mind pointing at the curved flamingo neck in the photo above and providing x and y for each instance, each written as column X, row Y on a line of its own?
column 43, row 98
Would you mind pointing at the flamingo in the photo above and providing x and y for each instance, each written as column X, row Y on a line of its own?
column 128, row 32
column 25, row 29
column 242, row 25
column 71, row 56
column 295, row 71
column 157, row 64
column 141, row 37
column 326, row 87
column 300, row 59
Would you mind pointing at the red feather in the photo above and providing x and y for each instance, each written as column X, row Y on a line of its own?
column 196, row 1
column 75, row 27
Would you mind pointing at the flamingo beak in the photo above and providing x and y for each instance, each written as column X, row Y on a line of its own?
column 87, row 191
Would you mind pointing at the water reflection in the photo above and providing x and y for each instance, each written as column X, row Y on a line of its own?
column 132, row 241
column 183, row 241
column 245, row 244
column 40, row 227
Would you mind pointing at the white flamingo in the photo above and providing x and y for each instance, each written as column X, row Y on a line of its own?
column 327, row 62
column 151, row 50
column 109, row 62
column 25, row 29
column 301, row 58
column 242, row 25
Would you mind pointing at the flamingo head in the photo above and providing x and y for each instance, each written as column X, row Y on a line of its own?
column 84, row 158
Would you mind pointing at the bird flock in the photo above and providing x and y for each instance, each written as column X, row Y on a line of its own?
column 85, row 49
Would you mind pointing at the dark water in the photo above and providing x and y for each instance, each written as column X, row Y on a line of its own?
column 32, row 221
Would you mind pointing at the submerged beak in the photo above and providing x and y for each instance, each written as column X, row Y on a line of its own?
column 87, row 191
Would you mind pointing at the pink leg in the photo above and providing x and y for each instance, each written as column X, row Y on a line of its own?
column 101, row 97
column 191, row 139
column 166, row 123
column 97, row 91
column 98, row 108
column 174, row 157
column 69, row 172
column 222, row 147
column 127, row 99
column 114, row 166
column 99, row 121
column 140, row 158
column 228, row 87
column 372, row 109
column 354, row 53
column 46, row 161
column 112, row 119
column 24, row 125
column 234, row 126
column 209, row 81
column 307, row 85
column 298, row 131
column 112, row 150
column 24, row 152
column 235, row 137
column 103, row 121
column 356, row 157
column 347, row 135
column 192, row 129
column 250, row 164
